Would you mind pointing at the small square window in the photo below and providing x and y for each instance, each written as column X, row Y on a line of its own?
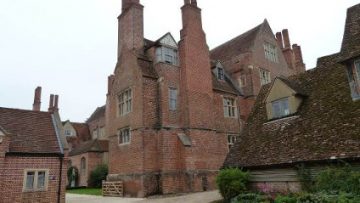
column 280, row 108
column 68, row 132
column 124, row 136
column 35, row 180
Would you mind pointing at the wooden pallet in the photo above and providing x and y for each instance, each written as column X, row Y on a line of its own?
column 112, row 189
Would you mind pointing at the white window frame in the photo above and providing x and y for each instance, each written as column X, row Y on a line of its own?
column 271, row 52
column 173, row 95
column 242, row 81
column 230, row 108
column 167, row 55
column 123, row 137
column 265, row 77
column 125, row 99
column 284, row 108
column 231, row 138
column 35, row 186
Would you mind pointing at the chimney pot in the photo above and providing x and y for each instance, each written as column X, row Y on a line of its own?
column 51, row 103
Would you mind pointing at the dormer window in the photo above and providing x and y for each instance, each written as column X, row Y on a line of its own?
column 280, row 108
column 167, row 55
column 354, row 79
column 220, row 74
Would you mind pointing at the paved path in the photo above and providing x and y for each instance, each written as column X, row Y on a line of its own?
column 201, row 197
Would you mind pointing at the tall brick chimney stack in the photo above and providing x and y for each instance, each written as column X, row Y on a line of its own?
column 279, row 40
column 37, row 99
column 287, row 51
column 299, row 63
column 53, row 103
column 196, row 78
column 131, row 26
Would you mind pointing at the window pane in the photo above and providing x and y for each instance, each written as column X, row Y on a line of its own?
column 30, row 180
column 41, row 179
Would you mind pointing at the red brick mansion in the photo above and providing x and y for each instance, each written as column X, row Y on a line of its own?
column 173, row 109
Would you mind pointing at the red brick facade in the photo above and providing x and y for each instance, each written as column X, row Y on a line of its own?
column 12, row 179
column 179, row 149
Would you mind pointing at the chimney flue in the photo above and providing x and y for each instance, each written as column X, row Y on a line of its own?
column 37, row 99
column 51, row 103
column 286, row 38
column 56, row 102
column 279, row 40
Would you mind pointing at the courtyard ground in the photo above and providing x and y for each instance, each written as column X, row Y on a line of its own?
column 201, row 197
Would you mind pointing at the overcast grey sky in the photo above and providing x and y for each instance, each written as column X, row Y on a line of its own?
column 69, row 46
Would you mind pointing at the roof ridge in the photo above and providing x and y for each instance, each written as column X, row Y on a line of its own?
column 26, row 110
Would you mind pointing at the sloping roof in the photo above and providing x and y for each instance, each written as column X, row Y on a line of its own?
column 325, row 126
column 32, row 131
column 238, row 45
column 292, row 85
column 82, row 131
column 351, row 40
column 91, row 146
column 224, row 86
column 97, row 114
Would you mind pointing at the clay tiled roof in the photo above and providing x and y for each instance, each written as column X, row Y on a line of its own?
column 91, row 146
column 351, row 40
column 98, row 113
column 82, row 131
column 326, row 125
column 31, row 131
column 236, row 46
column 224, row 86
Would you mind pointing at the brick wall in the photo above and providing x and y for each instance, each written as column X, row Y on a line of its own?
column 13, row 177
column 92, row 159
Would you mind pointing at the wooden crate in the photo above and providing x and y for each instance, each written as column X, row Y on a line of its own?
column 113, row 189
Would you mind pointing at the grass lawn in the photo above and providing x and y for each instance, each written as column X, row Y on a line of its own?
column 85, row 191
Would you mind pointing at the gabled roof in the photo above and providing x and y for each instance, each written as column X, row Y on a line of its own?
column 326, row 125
column 97, row 114
column 225, row 86
column 82, row 131
column 91, row 146
column 240, row 44
column 292, row 85
column 351, row 41
column 32, row 131
column 166, row 39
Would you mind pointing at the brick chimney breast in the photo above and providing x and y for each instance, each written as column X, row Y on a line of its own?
column 286, row 38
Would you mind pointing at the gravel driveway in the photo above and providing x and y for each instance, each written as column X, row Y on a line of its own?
column 201, row 197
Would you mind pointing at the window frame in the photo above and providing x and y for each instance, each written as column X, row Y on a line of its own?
column 267, row 76
column 68, row 132
column 35, row 183
column 230, row 109
column 283, row 112
column 231, row 140
column 125, row 100
column 173, row 98
column 220, row 74
column 270, row 52
column 163, row 53
column 124, row 139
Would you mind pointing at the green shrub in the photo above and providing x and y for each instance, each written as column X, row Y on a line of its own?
column 305, row 178
column 338, row 179
column 285, row 199
column 98, row 175
column 328, row 198
column 232, row 182
column 251, row 198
